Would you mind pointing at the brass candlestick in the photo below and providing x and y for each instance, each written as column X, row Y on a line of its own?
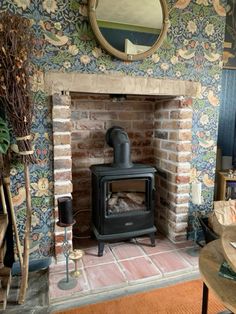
column 75, row 256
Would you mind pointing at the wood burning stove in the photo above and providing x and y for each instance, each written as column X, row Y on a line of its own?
column 123, row 195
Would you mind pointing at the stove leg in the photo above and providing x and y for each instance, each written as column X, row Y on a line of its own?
column 100, row 248
column 152, row 238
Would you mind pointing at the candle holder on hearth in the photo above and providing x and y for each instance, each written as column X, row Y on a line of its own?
column 75, row 256
column 66, row 220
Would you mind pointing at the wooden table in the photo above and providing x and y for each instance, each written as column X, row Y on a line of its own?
column 229, row 235
column 210, row 259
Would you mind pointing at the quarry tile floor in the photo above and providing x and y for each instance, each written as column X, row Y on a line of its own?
column 125, row 267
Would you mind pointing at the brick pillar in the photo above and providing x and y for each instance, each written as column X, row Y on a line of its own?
column 172, row 153
column 61, row 120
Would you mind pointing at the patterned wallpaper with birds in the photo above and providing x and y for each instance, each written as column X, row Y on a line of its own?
column 64, row 42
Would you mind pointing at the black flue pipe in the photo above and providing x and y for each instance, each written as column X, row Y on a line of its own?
column 117, row 138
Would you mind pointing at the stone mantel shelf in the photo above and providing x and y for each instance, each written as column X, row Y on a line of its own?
column 119, row 84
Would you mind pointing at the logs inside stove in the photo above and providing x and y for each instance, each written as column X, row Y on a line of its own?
column 123, row 195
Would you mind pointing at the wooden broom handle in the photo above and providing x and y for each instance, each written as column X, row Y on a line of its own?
column 25, row 269
column 3, row 200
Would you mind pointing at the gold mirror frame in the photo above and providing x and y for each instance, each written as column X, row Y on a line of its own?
column 119, row 54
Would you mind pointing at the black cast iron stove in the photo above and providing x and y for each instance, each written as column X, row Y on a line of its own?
column 123, row 195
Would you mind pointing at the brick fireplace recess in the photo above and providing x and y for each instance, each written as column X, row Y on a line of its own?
column 157, row 116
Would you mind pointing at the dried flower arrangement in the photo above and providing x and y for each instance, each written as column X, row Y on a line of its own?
column 15, row 49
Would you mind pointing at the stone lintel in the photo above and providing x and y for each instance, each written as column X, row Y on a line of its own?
column 120, row 84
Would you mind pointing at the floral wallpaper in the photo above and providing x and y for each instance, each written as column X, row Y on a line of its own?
column 64, row 42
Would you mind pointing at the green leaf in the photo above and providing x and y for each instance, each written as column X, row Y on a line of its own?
column 84, row 32
column 74, row 5
column 4, row 137
column 52, row 36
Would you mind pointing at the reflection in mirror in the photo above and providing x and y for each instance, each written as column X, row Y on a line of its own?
column 131, row 27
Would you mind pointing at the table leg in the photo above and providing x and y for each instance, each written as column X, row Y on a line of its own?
column 204, row 299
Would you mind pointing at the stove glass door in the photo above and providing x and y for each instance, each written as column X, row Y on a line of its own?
column 126, row 195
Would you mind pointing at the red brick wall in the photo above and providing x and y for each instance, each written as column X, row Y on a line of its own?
column 91, row 116
column 172, row 153
column 61, row 116
column 160, row 134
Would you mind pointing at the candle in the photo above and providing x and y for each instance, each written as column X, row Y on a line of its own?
column 65, row 212
column 197, row 193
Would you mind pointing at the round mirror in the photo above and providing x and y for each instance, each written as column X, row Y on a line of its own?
column 129, row 29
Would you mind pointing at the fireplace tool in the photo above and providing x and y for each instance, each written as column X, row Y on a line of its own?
column 66, row 220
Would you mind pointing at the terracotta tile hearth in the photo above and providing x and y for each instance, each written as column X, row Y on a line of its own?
column 125, row 266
